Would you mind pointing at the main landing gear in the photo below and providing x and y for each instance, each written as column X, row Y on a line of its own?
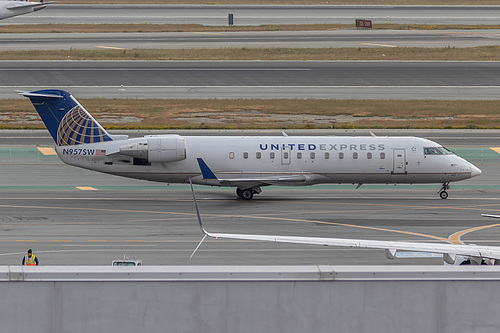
column 442, row 192
column 247, row 193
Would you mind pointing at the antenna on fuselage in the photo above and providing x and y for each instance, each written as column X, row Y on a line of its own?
column 371, row 133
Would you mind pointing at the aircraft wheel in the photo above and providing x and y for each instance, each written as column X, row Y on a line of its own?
column 247, row 194
column 443, row 194
column 239, row 192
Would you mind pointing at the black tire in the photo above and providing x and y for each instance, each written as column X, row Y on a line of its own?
column 247, row 194
column 443, row 195
column 239, row 192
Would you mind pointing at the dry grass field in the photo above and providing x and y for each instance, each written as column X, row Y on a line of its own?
column 281, row 114
column 483, row 53
column 115, row 28
column 289, row 2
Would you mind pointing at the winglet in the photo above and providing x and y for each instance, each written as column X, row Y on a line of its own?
column 196, row 206
column 199, row 217
column 205, row 170
column 493, row 216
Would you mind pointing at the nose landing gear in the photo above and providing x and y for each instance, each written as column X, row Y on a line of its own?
column 442, row 192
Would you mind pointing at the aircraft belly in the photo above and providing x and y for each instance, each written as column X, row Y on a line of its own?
column 75, row 160
column 155, row 177
column 388, row 178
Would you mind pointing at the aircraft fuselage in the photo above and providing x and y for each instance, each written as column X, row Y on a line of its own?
column 319, row 159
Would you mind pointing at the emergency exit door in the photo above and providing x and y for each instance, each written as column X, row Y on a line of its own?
column 399, row 161
column 285, row 156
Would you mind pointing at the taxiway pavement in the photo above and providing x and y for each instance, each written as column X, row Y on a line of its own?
column 256, row 79
column 311, row 39
column 73, row 216
column 258, row 14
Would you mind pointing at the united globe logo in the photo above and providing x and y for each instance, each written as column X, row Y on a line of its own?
column 78, row 127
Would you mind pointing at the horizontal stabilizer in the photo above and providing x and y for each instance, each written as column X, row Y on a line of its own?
column 32, row 94
column 24, row 4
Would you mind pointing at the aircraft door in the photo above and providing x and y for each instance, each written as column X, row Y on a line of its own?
column 399, row 161
column 285, row 156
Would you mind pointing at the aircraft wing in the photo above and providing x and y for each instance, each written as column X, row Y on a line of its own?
column 450, row 251
column 391, row 247
column 250, row 181
column 23, row 4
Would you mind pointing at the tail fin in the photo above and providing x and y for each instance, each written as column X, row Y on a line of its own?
column 67, row 120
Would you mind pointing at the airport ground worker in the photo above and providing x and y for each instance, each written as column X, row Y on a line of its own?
column 30, row 259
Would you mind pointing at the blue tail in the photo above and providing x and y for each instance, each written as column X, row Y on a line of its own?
column 67, row 120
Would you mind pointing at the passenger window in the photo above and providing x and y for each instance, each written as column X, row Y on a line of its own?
column 327, row 156
column 341, row 156
column 272, row 155
column 245, row 155
column 369, row 156
column 285, row 155
column 231, row 155
column 313, row 155
column 382, row 156
column 299, row 156
column 258, row 155
column 355, row 156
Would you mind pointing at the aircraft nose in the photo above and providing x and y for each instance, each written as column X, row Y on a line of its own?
column 475, row 171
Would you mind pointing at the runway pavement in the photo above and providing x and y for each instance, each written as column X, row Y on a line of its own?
column 258, row 15
column 310, row 39
column 256, row 79
column 73, row 216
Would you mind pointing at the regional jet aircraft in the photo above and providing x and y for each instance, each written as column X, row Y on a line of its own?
column 248, row 162
column 10, row 8
column 452, row 254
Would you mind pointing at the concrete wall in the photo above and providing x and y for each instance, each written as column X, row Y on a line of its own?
column 250, row 299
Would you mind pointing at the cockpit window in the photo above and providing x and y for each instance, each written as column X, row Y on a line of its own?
column 445, row 151
column 432, row 151
column 437, row 151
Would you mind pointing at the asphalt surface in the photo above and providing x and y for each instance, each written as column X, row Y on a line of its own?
column 73, row 216
column 257, row 15
column 310, row 39
column 257, row 79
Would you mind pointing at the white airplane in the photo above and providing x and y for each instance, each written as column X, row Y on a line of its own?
column 247, row 162
column 452, row 254
column 10, row 8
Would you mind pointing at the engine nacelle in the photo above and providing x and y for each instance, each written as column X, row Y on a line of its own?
column 450, row 259
column 157, row 149
column 136, row 149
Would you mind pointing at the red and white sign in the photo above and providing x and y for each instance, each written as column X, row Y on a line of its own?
column 367, row 24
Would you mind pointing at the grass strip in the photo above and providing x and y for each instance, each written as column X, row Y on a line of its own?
column 271, row 114
column 481, row 53
column 290, row 2
column 130, row 28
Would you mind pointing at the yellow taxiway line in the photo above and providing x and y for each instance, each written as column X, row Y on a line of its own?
column 48, row 151
column 86, row 188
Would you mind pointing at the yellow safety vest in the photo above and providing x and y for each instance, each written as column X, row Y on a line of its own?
column 29, row 262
